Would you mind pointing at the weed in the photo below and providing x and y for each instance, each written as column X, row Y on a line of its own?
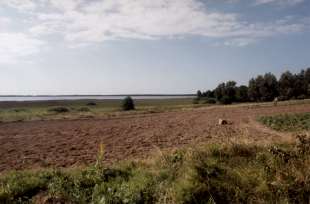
column 287, row 122
column 84, row 109
column 212, row 174
column 59, row 109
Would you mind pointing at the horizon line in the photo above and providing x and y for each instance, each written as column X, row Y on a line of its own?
column 57, row 95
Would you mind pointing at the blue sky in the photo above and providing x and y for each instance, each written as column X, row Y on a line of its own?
column 147, row 46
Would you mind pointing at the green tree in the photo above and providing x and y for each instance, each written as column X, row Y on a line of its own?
column 286, row 85
column 219, row 91
column 268, row 87
column 242, row 94
column 307, row 75
column 231, row 90
column 253, row 90
column 226, row 92
column 199, row 94
column 300, row 85
column 128, row 104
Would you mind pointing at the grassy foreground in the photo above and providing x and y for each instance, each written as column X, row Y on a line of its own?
column 287, row 122
column 211, row 174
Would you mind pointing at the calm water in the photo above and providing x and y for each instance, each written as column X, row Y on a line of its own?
column 54, row 98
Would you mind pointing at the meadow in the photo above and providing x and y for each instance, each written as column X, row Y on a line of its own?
column 77, row 109
column 73, row 109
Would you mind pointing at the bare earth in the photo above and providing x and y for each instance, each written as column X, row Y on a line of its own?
column 65, row 143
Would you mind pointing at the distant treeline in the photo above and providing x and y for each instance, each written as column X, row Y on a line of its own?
column 263, row 88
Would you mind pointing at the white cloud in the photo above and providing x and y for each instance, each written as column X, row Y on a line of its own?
column 81, row 21
column 4, row 23
column 239, row 42
column 279, row 2
column 65, row 5
column 15, row 47
column 21, row 5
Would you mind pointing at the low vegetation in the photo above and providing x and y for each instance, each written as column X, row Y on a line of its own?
column 287, row 122
column 236, row 173
column 45, row 110
column 84, row 109
column 128, row 104
column 59, row 109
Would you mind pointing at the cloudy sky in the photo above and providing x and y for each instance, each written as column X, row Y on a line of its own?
column 147, row 46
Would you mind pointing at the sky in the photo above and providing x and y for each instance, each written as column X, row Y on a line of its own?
column 146, row 46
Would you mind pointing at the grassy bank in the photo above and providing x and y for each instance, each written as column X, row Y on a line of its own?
column 46, row 110
column 287, row 122
column 210, row 174
column 74, row 109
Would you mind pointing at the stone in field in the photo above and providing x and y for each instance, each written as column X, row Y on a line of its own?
column 223, row 122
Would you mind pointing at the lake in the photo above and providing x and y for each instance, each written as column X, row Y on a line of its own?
column 102, row 97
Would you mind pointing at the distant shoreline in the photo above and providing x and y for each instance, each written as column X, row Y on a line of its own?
column 32, row 98
column 116, row 95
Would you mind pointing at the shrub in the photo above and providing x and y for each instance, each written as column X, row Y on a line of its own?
column 302, row 97
column 18, row 110
column 287, row 122
column 226, row 100
column 210, row 101
column 128, row 104
column 196, row 101
column 84, row 109
column 59, row 109
column 91, row 104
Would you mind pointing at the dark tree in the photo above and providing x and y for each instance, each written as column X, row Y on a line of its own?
column 286, row 85
column 300, row 85
column 199, row 94
column 219, row 91
column 307, row 75
column 226, row 92
column 242, row 94
column 268, row 87
column 307, row 78
column 128, row 104
column 230, row 90
column 208, row 94
column 253, row 90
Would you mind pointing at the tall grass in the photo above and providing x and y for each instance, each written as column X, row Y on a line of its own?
column 287, row 122
column 211, row 174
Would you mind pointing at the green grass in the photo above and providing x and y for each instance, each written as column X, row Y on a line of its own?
column 48, row 110
column 43, row 110
column 287, row 122
column 211, row 174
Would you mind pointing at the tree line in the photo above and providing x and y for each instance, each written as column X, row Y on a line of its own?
column 262, row 88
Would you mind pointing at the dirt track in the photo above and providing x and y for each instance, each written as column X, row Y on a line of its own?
column 65, row 143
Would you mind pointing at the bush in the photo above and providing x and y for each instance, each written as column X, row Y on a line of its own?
column 196, row 101
column 59, row 109
column 128, row 104
column 84, row 109
column 301, row 97
column 287, row 122
column 226, row 100
column 91, row 104
column 210, row 101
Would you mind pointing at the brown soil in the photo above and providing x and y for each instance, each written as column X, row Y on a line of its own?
column 65, row 143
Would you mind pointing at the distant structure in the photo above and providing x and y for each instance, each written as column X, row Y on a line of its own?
column 275, row 101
